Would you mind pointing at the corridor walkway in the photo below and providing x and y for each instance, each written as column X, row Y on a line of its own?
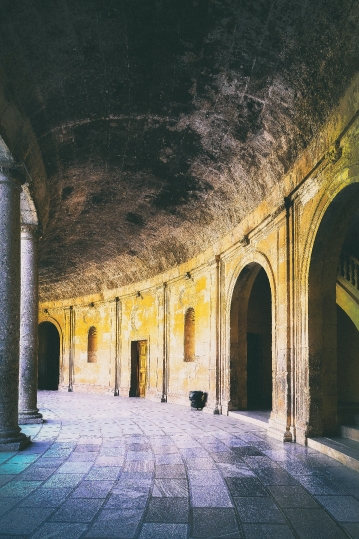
column 106, row 467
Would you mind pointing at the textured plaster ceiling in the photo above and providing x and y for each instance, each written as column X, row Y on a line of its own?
column 161, row 123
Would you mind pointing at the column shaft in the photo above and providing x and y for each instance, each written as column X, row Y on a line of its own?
column 28, row 411
column 11, row 437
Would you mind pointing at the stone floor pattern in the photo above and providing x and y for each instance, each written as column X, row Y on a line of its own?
column 106, row 467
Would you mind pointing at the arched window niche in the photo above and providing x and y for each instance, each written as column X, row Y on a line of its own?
column 189, row 335
column 92, row 345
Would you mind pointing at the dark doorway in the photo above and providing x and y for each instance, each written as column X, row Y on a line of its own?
column 254, row 359
column 138, row 368
column 259, row 345
column 347, row 299
column 49, row 356
column 251, row 341
column 348, row 361
column 332, row 338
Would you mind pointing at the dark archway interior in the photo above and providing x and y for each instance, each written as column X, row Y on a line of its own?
column 259, row 345
column 348, row 360
column 336, row 231
column 251, row 341
column 347, row 325
column 49, row 356
column 351, row 242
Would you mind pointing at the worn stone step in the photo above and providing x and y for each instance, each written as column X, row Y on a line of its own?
column 341, row 449
column 258, row 418
column 350, row 431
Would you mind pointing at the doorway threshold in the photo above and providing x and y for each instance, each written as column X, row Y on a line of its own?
column 260, row 418
column 339, row 448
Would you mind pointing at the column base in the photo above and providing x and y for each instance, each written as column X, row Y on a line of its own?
column 301, row 435
column 224, row 407
column 306, row 430
column 279, row 431
column 30, row 420
column 217, row 409
column 14, row 444
column 30, row 417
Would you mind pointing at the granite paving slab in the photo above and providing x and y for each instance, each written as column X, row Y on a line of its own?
column 214, row 522
column 174, row 510
column 56, row 530
column 314, row 524
column 124, row 468
column 164, row 531
column 263, row 510
column 342, row 508
column 267, row 531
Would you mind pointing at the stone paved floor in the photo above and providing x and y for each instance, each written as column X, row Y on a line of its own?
column 105, row 467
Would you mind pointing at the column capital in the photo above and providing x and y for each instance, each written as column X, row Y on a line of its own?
column 31, row 231
column 12, row 172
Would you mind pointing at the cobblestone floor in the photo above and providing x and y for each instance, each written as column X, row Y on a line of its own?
column 105, row 467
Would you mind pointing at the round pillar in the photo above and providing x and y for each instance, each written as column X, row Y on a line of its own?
column 28, row 411
column 11, row 437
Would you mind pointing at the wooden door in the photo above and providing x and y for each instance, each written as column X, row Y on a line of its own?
column 142, row 367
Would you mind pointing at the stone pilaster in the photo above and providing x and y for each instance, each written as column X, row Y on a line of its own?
column 11, row 437
column 219, row 363
column 165, row 345
column 28, row 411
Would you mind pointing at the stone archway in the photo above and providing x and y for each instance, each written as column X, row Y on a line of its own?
column 49, row 356
column 251, row 341
column 323, row 312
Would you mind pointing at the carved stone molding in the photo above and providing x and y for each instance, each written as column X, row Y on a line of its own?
column 244, row 241
column 334, row 153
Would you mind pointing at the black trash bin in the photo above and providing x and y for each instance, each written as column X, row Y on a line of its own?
column 198, row 399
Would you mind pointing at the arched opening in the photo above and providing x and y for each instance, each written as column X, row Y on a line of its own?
column 92, row 345
column 189, row 335
column 348, row 365
column 333, row 309
column 347, row 298
column 251, row 341
column 49, row 356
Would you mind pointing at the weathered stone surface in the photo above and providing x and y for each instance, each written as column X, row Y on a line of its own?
column 161, row 124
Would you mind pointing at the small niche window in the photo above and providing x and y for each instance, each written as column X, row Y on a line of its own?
column 189, row 335
column 92, row 345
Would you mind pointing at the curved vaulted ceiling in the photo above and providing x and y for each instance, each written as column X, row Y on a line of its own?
column 160, row 123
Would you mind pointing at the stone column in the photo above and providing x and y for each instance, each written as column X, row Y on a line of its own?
column 28, row 411
column 11, row 437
